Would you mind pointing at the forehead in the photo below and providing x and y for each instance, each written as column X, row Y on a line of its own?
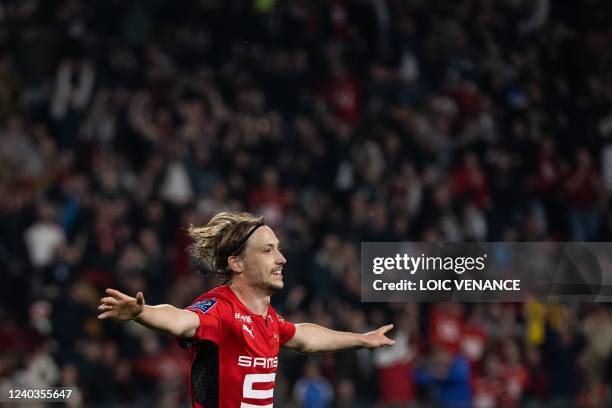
column 263, row 236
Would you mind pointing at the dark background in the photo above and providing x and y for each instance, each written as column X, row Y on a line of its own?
column 340, row 121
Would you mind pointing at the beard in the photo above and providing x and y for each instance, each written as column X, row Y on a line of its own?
column 271, row 287
column 265, row 283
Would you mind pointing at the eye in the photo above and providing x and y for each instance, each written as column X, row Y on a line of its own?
column 267, row 250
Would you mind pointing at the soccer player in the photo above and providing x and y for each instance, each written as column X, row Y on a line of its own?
column 232, row 332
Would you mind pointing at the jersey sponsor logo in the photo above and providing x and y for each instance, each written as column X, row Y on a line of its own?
column 248, row 330
column 204, row 305
column 245, row 319
column 263, row 362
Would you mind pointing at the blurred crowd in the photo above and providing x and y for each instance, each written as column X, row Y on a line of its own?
column 340, row 121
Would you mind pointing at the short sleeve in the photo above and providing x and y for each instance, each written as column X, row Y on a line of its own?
column 286, row 330
column 209, row 312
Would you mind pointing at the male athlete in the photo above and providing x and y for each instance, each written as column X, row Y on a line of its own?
column 232, row 332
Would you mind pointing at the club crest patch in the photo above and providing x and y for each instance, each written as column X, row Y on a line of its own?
column 203, row 305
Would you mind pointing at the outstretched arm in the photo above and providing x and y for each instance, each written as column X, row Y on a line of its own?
column 165, row 319
column 312, row 338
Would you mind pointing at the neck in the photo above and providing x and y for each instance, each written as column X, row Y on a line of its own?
column 255, row 300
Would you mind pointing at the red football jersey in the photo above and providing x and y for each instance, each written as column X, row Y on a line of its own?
column 234, row 353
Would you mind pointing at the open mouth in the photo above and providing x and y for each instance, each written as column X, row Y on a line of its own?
column 277, row 273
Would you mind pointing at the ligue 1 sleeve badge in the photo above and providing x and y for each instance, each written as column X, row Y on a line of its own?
column 203, row 305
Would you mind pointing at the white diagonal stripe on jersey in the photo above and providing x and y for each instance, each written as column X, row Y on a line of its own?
column 245, row 405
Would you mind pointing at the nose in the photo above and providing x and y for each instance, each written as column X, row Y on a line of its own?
column 281, row 259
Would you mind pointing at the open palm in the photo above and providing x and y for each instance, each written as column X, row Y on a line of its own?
column 121, row 306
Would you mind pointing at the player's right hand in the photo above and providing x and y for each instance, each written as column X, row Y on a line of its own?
column 121, row 306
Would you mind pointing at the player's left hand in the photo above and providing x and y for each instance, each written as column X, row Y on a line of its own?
column 377, row 338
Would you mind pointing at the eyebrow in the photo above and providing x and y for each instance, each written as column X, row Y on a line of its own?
column 271, row 244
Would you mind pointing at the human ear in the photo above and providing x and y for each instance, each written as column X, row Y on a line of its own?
column 235, row 264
